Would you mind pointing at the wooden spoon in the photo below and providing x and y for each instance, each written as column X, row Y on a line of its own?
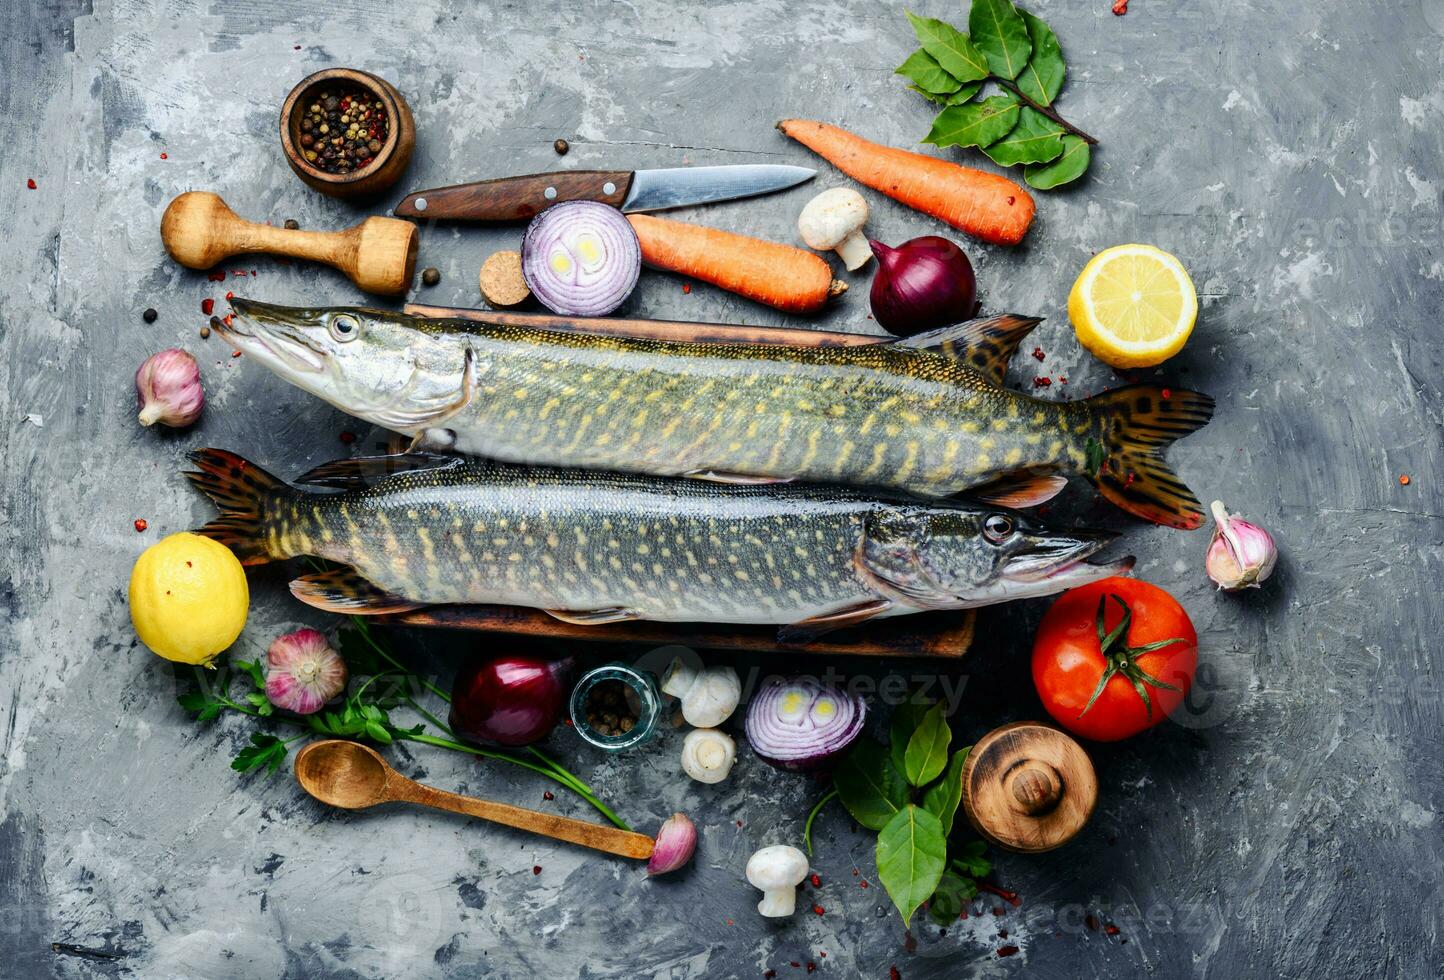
column 354, row 777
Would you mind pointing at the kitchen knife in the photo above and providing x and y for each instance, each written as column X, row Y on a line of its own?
column 519, row 198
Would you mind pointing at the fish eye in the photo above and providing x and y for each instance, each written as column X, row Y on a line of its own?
column 345, row 327
column 997, row 528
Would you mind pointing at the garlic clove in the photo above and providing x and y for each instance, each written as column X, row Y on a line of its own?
column 675, row 843
column 1241, row 555
column 168, row 389
column 303, row 672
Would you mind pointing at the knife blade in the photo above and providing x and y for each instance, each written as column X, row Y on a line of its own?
column 520, row 198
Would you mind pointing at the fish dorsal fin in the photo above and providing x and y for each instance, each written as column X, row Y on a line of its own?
column 344, row 591
column 361, row 471
column 986, row 345
column 1021, row 490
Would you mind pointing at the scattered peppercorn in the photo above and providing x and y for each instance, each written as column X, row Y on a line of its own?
column 536, row 869
column 818, row 910
column 816, row 880
column 1403, row 479
column 348, row 437
column 205, row 332
column 430, row 276
column 613, row 708
column 140, row 524
column 208, row 305
column 149, row 315
column 561, row 146
column 1111, row 929
column 230, row 296
column 163, row 156
column 1007, row 950
column 547, row 795
column 30, row 183
column 343, row 130
column 686, row 287
column 292, row 224
column 1042, row 382
column 893, row 974
column 1038, row 354
column 235, row 353
column 217, row 276
column 1120, row 7
column 769, row 974
column 811, row 966
column 1167, row 394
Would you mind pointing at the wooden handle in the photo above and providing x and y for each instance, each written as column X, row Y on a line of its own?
column 516, row 198
column 379, row 255
column 596, row 836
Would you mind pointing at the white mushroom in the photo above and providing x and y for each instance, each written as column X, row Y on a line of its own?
column 707, row 755
column 777, row 870
column 709, row 695
column 834, row 220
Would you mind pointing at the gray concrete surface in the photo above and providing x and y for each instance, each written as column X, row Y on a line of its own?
column 1285, row 826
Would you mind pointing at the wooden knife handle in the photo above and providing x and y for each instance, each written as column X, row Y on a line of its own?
column 516, row 198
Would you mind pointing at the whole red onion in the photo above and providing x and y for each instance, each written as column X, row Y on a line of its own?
column 509, row 700
column 921, row 285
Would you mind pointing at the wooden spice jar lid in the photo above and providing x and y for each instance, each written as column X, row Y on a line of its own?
column 1028, row 787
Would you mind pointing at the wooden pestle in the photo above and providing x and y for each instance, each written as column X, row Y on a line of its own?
column 199, row 230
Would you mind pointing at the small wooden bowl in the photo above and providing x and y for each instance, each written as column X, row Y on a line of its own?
column 384, row 169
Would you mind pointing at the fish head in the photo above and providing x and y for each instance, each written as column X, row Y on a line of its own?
column 966, row 555
column 372, row 364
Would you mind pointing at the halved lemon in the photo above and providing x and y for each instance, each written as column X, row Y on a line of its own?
column 1133, row 306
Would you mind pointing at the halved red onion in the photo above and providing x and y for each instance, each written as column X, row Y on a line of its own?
column 802, row 724
column 580, row 258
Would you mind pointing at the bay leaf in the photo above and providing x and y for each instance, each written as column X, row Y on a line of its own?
column 1001, row 34
column 927, row 751
column 1035, row 139
column 941, row 799
column 975, row 123
column 962, row 95
column 1068, row 167
column 952, row 49
column 924, row 71
column 911, row 857
column 952, row 895
column 1042, row 77
column 869, row 785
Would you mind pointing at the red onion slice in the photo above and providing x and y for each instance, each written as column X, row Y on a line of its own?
column 580, row 258
column 799, row 723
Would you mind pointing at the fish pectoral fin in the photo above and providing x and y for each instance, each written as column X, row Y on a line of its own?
column 594, row 617
column 1023, row 490
column 739, row 479
column 986, row 345
column 361, row 471
column 812, row 627
column 344, row 591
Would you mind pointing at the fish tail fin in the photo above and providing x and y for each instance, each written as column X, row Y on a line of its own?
column 238, row 487
column 1137, row 423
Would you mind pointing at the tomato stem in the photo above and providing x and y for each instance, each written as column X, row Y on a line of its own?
column 1120, row 656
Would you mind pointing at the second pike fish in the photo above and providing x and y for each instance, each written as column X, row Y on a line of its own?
column 928, row 414
column 596, row 548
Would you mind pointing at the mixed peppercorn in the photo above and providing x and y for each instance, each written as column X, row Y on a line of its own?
column 343, row 130
column 612, row 708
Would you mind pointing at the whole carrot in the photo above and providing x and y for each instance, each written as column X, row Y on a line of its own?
column 981, row 204
column 779, row 275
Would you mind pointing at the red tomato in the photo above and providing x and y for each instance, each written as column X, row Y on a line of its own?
column 1069, row 662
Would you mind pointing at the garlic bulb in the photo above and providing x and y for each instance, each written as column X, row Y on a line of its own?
column 303, row 672
column 168, row 388
column 707, row 755
column 675, row 843
column 1241, row 555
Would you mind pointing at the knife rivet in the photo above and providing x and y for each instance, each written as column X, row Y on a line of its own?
column 609, row 188
column 419, row 204
column 550, row 193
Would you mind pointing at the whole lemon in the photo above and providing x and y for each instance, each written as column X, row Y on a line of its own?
column 188, row 598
